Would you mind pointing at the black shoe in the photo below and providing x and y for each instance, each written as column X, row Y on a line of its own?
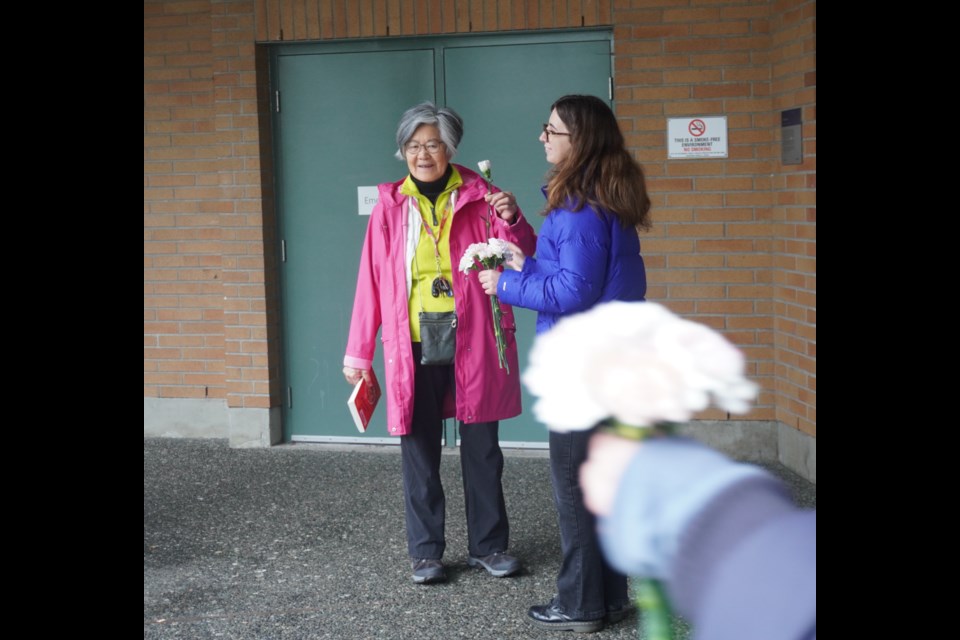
column 428, row 570
column 616, row 614
column 499, row 564
column 548, row 616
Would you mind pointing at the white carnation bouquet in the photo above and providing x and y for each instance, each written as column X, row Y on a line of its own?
column 489, row 255
column 635, row 364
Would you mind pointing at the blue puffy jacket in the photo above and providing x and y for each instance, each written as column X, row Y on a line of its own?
column 583, row 258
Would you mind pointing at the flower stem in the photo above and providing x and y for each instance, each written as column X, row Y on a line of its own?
column 657, row 617
column 498, row 332
column 634, row 432
column 489, row 206
column 651, row 597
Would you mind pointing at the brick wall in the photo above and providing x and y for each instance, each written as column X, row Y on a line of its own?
column 734, row 242
column 793, row 85
column 183, row 332
column 709, row 249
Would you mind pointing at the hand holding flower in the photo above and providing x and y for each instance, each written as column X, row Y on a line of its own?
column 504, row 203
column 608, row 457
column 488, row 280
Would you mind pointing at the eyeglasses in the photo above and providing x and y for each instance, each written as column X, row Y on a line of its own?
column 547, row 132
column 432, row 147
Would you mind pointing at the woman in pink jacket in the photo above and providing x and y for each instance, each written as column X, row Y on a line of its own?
column 418, row 231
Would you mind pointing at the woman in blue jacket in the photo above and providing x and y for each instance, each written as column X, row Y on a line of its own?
column 588, row 252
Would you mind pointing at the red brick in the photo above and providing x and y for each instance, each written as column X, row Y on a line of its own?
column 695, row 261
column 725, row 276
column 738, row 27
column 692, row 76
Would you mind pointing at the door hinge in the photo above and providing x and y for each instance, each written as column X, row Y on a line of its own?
column 283, row 251
column 276, row 97
column 609, row 88
column 289, row 398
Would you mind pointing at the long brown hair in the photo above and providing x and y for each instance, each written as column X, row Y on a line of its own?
column 599, row 170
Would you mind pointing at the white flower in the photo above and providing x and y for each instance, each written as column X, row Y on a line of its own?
column 466, row 262
column 636, row 362
column 489, row 254
column 470, row 256
column 637, row 386
column 497, row 247
column 484, row 166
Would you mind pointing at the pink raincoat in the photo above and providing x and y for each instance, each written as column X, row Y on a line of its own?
column 484, row 392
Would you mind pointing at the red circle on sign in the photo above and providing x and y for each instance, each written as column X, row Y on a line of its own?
column 697, row 127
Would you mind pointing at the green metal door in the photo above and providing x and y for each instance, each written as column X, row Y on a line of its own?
column 339, row 105
column 336, row 127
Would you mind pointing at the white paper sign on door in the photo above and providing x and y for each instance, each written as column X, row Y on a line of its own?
column 366, row 199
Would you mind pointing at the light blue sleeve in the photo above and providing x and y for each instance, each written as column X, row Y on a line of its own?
column 669, row 483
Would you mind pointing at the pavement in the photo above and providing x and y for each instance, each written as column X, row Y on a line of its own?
column 306, row 541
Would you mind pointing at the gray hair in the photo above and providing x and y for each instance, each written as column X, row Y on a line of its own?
column 445, row 119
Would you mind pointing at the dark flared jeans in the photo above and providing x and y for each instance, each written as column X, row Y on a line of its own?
column 481, row 461
column 587, row 586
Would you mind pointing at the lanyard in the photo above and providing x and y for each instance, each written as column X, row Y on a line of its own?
column 440, row 285
column 429, row 230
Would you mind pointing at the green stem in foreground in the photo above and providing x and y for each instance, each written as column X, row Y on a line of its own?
column 657, row 621
column 632, row 432
column 657, row 618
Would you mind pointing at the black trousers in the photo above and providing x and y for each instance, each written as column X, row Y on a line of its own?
column 481, row 461
column 586, row 586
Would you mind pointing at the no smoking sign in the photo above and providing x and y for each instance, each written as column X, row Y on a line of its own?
column 697, row 137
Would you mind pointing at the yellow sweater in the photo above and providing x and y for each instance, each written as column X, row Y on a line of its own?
column 424, row 264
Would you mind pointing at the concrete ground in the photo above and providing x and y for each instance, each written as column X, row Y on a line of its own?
column 305, row 541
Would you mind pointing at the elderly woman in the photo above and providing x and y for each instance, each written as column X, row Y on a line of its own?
column 418, row 231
